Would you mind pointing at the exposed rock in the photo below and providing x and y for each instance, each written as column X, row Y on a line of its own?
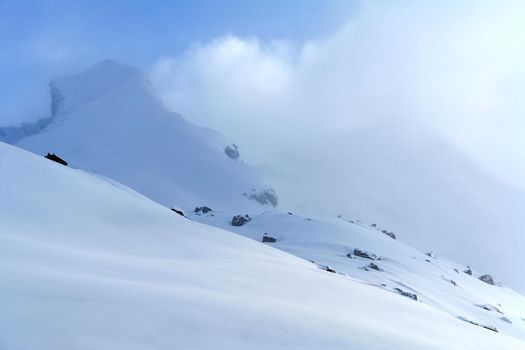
column 389, row 234
column 504, row 319
column 491, row 328
column 178, row 211
column 406, row 294
column 487, row 279
column 364, row 254
column 13, row 134
column 468, row 271
column 449, row 281
column 232, row 151
column 456, row 270
column 267, row 196
column 202, row 210
column 373, row 225
column 268, row 239
column 290, row 213
column 239, row 220
column 55, row 158
column 326, row 268
column 431, row 254
column 489, row 307
column 373, row 266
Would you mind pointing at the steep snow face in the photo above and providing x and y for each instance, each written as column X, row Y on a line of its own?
column 90, row 264
column 108, row 120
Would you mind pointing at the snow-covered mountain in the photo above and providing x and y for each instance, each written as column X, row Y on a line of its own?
column 383, row 261
column 418, row 185
column 89, row 263
column 108, row 120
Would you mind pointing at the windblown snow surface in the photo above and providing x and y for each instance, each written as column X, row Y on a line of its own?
column 88, row 263
column 109, row 120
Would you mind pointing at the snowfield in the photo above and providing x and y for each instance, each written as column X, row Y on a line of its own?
column 90, row 264
column 108, row 120
column 92, row 257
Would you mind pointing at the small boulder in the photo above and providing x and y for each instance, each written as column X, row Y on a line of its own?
column 364, row 254
column 55, row 158
column 239, row 220
column 232, row 151
column 389, row 234
column 487, row 279
column 406, row 294
column 202, row 210
column 268, row 239
column 178, row 211
column 468, row 271
column 373, row 266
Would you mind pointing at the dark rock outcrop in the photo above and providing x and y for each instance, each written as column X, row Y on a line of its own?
column 232, row 151
column 268, row 239
column 202, row 210
column 364, row 254
column 489, row 307
column 178, row 211
column 239, row 220
column 373, row 266
column 389, row 234
column 487, row 279
column 264, row 197
column 55, row 158
column 406, row 294
column 468, row 271
column 491, row 328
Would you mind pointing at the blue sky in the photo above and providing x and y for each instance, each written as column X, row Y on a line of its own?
column 43, row 39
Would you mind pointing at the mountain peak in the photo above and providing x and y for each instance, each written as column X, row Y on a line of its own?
column 103, row 77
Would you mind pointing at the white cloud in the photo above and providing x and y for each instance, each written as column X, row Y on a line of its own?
column 456, row 68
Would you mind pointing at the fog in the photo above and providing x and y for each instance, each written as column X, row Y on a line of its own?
column 457, row 69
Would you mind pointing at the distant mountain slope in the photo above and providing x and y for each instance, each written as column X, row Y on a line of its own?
column 390, row 264
column 90, row 264
column 108, row 120
column 419, row 186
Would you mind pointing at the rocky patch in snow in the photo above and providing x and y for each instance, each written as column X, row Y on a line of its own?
column 55, row 158
column 491, row 328
column 363, row 254
column 232, row 151
column 267, row 196
column 239, row 220
column 268, row 239
column 202, row 210
column 412, row 296
column 487, row 279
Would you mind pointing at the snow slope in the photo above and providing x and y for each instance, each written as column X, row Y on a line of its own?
column 108, row 120
column 432, row 194
column 437, row 281
column 90, row 264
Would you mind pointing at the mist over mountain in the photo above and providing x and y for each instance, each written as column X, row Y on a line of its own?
column 112, row 136
column 108, row 120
